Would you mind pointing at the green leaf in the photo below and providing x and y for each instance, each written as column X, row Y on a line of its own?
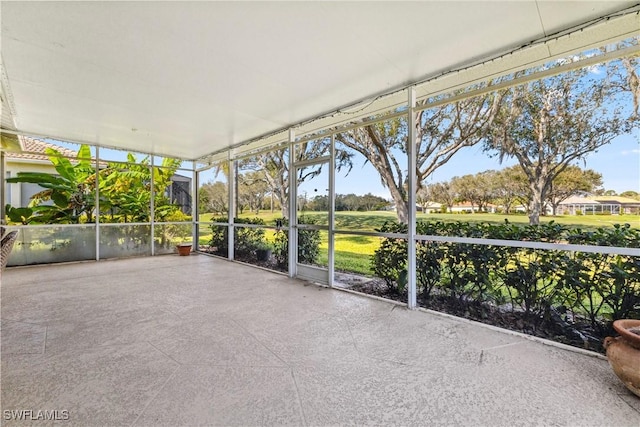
column 60, row 199
column 21, row 215
column 33, row 177
column 84, row 156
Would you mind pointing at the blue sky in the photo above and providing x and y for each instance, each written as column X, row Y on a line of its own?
column 618, row 162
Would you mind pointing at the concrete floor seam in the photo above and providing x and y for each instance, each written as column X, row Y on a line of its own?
column 497, row 347
column 353, row 339
column 277, row 356
column 163, row 353
column 44, row 341
column 164, row 384
column 295, row 383
column 626, row 397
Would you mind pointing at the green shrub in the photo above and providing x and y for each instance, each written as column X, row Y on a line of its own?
column 428, row 260
column 531, row 280
column 245, row 239
column 604, row 286
column 308, row 244
column 219, row 242
column 389, row 262
column 599, row 286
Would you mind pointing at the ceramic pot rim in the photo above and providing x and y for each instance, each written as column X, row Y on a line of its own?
column 622, row 327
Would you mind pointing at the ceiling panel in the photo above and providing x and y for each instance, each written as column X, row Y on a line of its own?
column 190, row 78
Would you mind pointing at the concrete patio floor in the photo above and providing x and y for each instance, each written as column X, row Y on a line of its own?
column 200, row 341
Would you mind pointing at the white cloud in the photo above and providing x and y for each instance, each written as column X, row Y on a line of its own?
column 627, row 152
column 595, row 69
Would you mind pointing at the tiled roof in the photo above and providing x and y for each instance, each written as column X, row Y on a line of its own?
column 599, row 200
column 579, row 200
column 34, row 149
column 615, row 199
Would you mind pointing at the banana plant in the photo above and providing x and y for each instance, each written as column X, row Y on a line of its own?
column 71, row 192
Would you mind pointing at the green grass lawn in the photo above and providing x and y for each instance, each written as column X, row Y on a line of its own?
column 352, row 253
column 369, row 221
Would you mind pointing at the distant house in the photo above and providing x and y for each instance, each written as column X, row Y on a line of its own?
column 32, row 158
column 618, row 204
column 392, row 207
column 429, row 207
column 601, row 204
column 179, row 192
column 463, row 207
column 469, row 208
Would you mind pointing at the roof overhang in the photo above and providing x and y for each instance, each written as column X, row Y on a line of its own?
column 187, row 79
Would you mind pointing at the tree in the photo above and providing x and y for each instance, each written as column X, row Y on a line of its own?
column 204, row 202
column 440, row 133
column 214, row 197
column 475, row 189
column 442, row 192
column 351, row 202
column 424, row 197
column 631, row 194
column 603, row 192
column 548, row 124
column 252, row 189
column 570, row 182
column 319, row 204
column 510, row 187
column 623, row 76
column 274, row 167
column 369, row 202
column 125, row 189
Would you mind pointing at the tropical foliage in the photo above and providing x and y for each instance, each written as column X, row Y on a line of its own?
column 66, row 198
column 69, row 196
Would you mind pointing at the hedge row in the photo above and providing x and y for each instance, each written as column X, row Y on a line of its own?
column 248, row 240
column 596, row 287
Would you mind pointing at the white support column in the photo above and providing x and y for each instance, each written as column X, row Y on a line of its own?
column 411, row 151
column 152, row 213
column 293, row 198
column 195, row 208
column 332, row 206
column 97, row 195
column 3, row 183
column 232, row 203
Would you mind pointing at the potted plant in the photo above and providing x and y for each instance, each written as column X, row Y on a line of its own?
column 623, row 353
column 184, row 247
column 263, row 251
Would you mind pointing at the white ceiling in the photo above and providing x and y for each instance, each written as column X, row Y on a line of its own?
column 186, row 79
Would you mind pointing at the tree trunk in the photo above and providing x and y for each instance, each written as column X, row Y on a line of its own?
column 536, row 204
column 402, row 210
column 284, row 206
column 371, row 146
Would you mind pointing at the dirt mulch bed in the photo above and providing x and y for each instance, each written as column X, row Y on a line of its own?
column 556, row 326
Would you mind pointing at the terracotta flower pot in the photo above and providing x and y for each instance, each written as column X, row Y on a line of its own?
column 184, row 249
column 623, row 353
